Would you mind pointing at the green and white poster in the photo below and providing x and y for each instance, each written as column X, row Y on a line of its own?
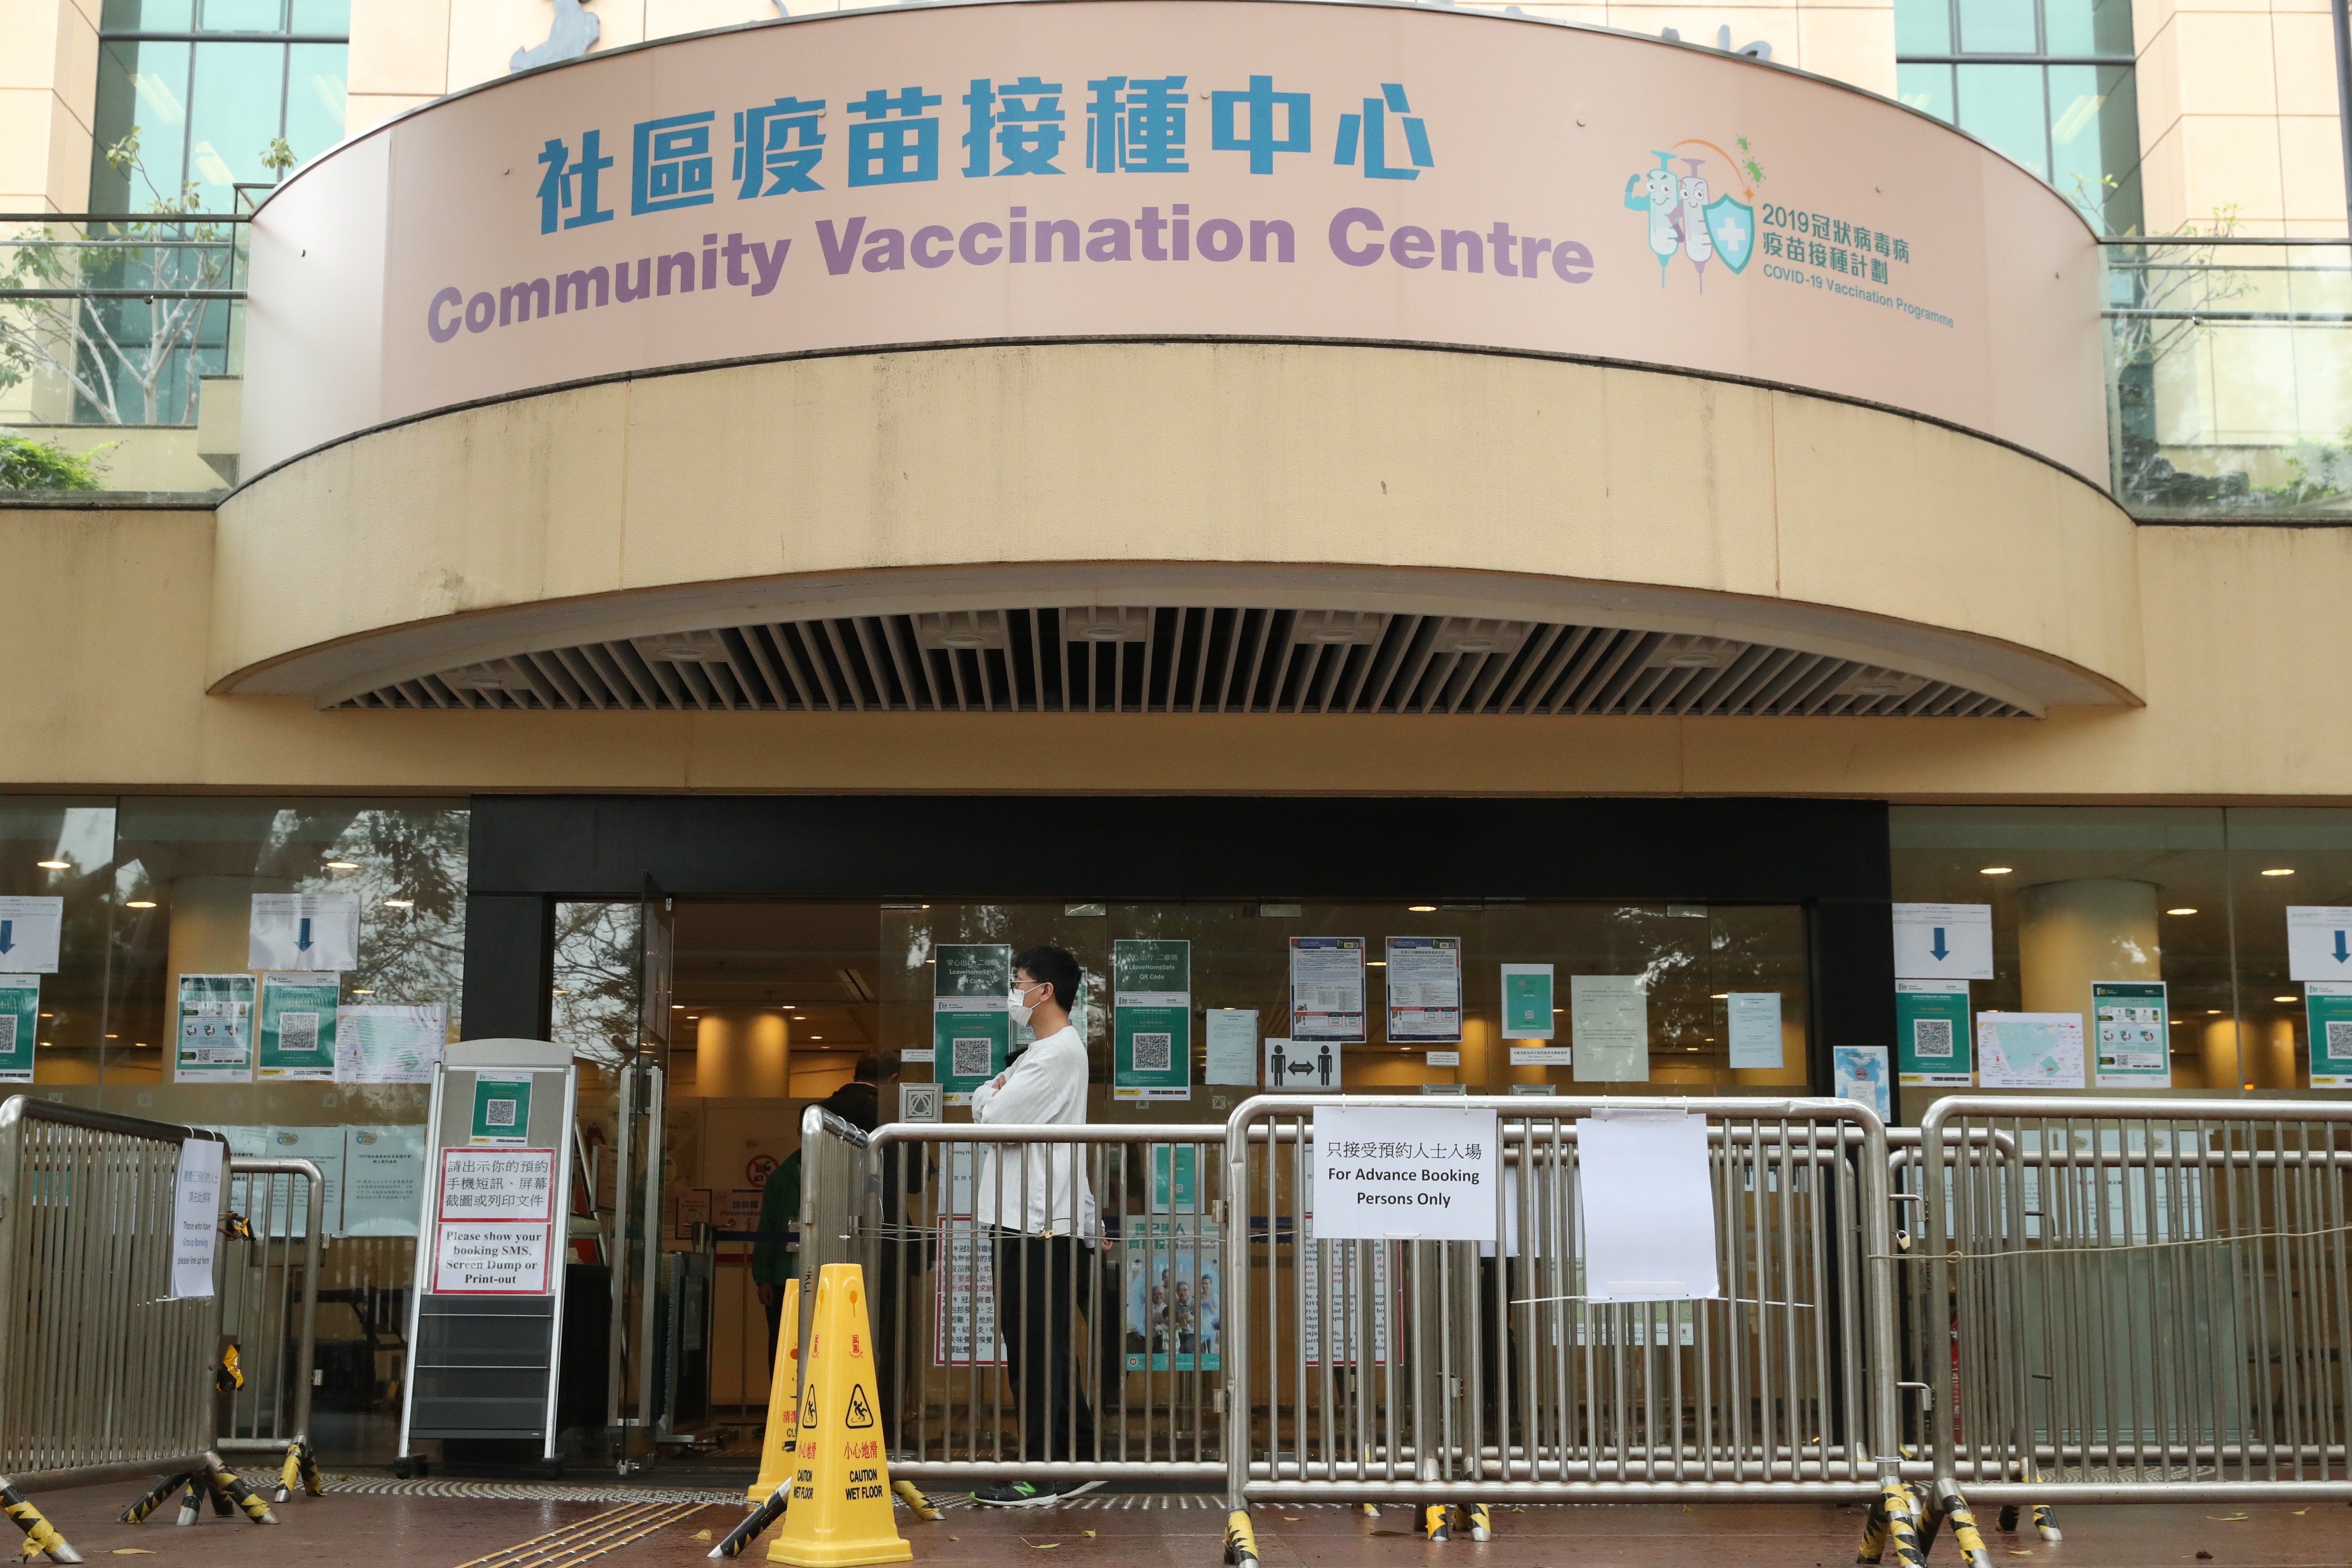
column 1530, row 1014
column 1175, row 1178
column 212, row 1041
column 1152, row 1020
column 2132, row 1028
column 296, row 1033
column 501, row 1110
column 2327, row 1004
column 20, row 1016
column 1932, row 1042
column 971, row 1033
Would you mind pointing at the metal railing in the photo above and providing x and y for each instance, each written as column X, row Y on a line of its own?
column 115, row 319
column 104, row 1373
column 2230, row 377
column 270, row 1312
column 2141, row 1294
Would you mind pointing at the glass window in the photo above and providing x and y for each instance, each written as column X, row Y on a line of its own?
column 1926, row 88
column 207, row 111
column 1999, row 27
column 1923, row 26
column 2002, row 105
column 2072, row 117
column 62, row 848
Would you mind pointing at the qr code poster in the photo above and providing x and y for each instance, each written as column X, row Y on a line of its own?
column 1933, row 1044
column 501, row 1110
column 2328, row 1004
column 1151, row 1053
column 297, row 1032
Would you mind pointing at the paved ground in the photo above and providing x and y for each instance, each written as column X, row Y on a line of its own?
column 430, row 1531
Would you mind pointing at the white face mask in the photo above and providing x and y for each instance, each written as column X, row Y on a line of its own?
column 1018, row 1008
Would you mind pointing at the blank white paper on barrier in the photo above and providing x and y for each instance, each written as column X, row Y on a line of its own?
column 196, row 1216
column 1648, row 1209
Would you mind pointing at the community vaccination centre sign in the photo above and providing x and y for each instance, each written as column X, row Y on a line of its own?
column 1193, row 168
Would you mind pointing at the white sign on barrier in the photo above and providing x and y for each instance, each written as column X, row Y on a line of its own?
column 195, row 1217
column 491, row 1259
column 1647, row 1209
column 965, row 1312
column 1424, row 1174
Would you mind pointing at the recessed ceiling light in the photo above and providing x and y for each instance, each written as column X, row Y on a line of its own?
column 682, row 653
column 1722, row 997
column 1376, row 964
column 2183, row 910
column 2279, row 871
column 1998, row 870
column 2286, row 998
column 816, row 1036
column 140, row 904
column 362, row 991
column 342, row 865
column 964, row 639
column 1423, row 909
column 399, row 903
column 2212, row 1012
column 53, row 865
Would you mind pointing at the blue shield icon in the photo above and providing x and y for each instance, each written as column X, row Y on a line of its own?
column 1731, row 224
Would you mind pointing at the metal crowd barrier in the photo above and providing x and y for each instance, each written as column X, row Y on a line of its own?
column 1426, row 1372
column 2024, row 1301
column 2141, row 1294
column 270, row 1312
column 103, row 1376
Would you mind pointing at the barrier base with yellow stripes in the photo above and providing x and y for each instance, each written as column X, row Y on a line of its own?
column 40, row 1535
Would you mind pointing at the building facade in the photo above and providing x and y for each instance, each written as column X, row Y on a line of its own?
column 609, row 493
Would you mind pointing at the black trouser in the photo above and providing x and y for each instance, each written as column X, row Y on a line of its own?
column 1039, row 1280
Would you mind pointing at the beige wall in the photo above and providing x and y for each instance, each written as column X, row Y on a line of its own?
column 407, row 52
column 1467, row 484
column 2245, row 644
column 2237, row 108
column 48, row 89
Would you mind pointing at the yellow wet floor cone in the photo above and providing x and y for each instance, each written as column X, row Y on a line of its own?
column 840, row 1514
column 776, row 1454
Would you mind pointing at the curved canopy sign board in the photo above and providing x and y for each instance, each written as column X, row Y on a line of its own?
column 1170, row 168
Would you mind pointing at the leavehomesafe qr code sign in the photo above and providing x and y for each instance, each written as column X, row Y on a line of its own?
column 1424, row 1174
column 1151, row 168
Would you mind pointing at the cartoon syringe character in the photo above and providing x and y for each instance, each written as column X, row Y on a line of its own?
column 1697, row 242
column 1659, row 198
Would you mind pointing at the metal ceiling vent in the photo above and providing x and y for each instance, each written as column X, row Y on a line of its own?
column 1121, row 658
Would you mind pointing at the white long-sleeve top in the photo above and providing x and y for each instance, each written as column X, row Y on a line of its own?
column 1046, row 1086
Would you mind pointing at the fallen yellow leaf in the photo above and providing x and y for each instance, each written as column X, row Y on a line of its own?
column 1087, row 1534
column 702, row 1535
column 1043, row 1545
column 132, row 1552
column 2228, row 1518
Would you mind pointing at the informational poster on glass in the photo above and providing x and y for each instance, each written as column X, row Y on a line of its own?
column 2327, row 1008
column 2030, row 1051
column 325, row 1147
column 213, row 1039
column 1353, row 1317
column 963, row 1313
column 1425, row 990
column 296, row 1035
column 30, row 930
column 1327, row 989
column 1175, row 1178
column 2319, row 941
column 1932, row 1041
column 304, row 932
column 1861, row 1075
column 20, row 1023
column 1530, row 1014
column 1943, row 941
column 1609, row 1025
column 1302, row 1067
column 501, row 1109
column 383, row 1180
column 971, row 1033
column 1753, row 1020
column 1151, row 1020
column 1232, row 1044
column 1175, row 1296
column 389, row 1045
column 2134, row 1034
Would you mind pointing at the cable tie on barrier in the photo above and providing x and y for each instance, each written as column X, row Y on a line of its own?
column 1954, row 1255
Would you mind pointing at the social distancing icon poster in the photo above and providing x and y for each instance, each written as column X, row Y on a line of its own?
column 840, row 1512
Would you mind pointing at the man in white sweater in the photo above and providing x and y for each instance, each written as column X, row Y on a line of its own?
column 1042, row 1210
